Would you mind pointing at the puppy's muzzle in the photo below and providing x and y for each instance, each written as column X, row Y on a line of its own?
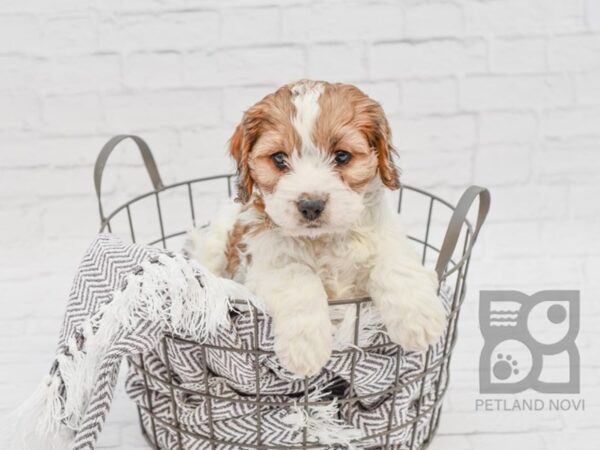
column 311, row 209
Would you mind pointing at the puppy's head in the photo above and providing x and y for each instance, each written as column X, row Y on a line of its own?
column 312, row 149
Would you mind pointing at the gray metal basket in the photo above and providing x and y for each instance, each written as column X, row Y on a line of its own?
column 446, row 243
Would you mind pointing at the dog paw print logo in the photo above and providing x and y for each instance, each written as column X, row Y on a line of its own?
column 529, row 342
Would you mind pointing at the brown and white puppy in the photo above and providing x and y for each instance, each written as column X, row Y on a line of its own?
column 312, row 222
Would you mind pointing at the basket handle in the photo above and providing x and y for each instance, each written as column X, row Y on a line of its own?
column 105, row 153
column 455, row 227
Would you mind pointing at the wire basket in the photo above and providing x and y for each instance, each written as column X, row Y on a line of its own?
column 440, row 230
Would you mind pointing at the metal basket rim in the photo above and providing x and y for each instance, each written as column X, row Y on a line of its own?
column 139, row 197
column 105, row 221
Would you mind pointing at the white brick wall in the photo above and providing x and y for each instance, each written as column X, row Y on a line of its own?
column 505, row 93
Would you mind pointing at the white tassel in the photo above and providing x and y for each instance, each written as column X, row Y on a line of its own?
column 70, row 372
column 36, row 424
column 194, row 309
column 369, row 325
column 79, row 371
column 323, row 426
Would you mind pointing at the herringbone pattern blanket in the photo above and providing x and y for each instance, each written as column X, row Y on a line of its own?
column 151, row 307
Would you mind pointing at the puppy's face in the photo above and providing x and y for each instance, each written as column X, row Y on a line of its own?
column 312, row 149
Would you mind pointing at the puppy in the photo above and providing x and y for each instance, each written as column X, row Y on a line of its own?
column 312, row 222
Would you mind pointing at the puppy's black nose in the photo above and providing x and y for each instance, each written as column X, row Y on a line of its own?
column 311, row 209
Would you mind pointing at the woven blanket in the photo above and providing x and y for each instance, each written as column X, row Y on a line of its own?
column 151, row 307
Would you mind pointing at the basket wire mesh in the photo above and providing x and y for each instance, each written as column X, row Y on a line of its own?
column 446, row 247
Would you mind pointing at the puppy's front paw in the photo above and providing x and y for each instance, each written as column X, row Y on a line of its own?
column 304, row 349
column 416, row 326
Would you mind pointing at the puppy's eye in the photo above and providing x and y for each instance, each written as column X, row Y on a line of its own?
column 342, row 157
column 279, row 160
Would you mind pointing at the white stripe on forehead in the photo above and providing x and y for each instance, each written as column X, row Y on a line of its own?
column 305, row 96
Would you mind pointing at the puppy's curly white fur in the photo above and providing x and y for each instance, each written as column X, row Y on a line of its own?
column 312, row 222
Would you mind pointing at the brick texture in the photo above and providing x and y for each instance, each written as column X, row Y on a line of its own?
column 503, row 93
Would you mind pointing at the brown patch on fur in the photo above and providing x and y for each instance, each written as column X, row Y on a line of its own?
column 259, row 204
column 239, row 149
column 266, row 128
column 350, row 120
column 236, row 247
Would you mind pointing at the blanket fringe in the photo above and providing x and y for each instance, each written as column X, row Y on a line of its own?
column 323, row 425
column 36, row 424
column 369, row 325
column 196, row 297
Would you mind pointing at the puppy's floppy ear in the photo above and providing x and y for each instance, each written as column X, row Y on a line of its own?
column 385, row 152
column 372, row 121
column 239, row 149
